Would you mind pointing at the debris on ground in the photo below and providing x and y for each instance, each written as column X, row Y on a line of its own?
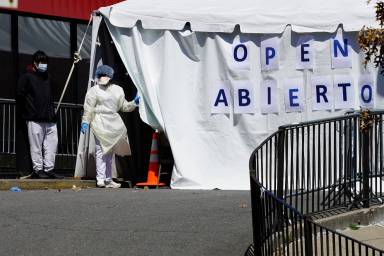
column 15, row 189
column 74, row 188
column 354, row 226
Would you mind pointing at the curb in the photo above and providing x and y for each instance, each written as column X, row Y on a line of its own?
column 36, row 184
column 363, row 216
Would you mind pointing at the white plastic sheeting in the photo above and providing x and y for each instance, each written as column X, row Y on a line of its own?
column 85, row 159
column 253, row 16
column 175, row 72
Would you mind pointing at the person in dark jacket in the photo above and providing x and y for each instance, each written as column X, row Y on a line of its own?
column 35, row 91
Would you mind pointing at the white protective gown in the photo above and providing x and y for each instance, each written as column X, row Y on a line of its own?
column 101, row 107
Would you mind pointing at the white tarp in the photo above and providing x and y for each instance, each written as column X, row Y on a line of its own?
column 178, row 73
column 253, row 16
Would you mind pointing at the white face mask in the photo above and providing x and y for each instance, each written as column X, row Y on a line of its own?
column 42, row 67
column 104, row 80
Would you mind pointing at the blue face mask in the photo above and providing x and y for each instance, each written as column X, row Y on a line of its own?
column 42, row 67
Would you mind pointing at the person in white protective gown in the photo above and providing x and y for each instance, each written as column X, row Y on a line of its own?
column 101, row 106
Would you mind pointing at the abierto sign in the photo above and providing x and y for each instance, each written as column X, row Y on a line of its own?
column 328, row 85
column 9, row 3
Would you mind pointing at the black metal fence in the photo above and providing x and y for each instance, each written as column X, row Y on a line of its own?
column 7, row 126
column 308, row 170
column 68, row 127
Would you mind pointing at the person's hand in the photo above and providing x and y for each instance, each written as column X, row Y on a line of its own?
column 137, row 99
column 84, row 128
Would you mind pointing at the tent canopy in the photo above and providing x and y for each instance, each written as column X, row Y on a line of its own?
column 183, row 75
column 253, row 16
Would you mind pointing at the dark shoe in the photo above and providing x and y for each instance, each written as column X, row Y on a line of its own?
column 40, row 174
column 53, row 175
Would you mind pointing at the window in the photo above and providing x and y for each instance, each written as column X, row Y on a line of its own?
column 7, row 79
column 5, row 32
column 52, row 37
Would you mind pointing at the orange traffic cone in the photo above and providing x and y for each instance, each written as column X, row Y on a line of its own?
column 153, row 170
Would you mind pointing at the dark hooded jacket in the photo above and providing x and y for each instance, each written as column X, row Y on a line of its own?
column 35, row 96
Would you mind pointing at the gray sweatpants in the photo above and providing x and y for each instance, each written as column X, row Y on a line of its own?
column 43, row 145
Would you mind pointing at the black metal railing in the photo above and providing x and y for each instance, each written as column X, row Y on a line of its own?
column 68, row 123
column 7, row 126
column 68, row 128
column 308, row 170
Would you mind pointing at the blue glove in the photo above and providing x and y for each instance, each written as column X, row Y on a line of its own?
column 137, row 99
column 84, row 128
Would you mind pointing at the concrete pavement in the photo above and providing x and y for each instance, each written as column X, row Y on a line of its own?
column 372, row 235
column 125, row 222
column 367, row 222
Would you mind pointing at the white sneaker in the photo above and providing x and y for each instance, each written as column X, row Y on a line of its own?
column 112, row 184
column 100, row 184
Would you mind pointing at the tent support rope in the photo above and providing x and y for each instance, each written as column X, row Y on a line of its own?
column 76, row 59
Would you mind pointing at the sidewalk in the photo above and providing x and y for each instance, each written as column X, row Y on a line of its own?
column 367, row 222
column 372, row 235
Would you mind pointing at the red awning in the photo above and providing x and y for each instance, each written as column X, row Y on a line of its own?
column 77, row 9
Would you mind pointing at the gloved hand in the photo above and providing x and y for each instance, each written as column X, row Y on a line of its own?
column 137, row 99
column 84, row 128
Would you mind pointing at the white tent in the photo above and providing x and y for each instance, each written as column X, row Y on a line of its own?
column 253, row 16
column 180, row 55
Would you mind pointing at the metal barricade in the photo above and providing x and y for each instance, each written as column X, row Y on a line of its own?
column 312, row 169
column 68, row 125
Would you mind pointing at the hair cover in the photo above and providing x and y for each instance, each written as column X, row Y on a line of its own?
column 104, row 70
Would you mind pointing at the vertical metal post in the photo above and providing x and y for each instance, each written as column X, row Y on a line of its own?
column 365, row 162
column 23, row 157
column 15, row 46
column 257, row 216
column 308, row 237
column 280, row 172
column 366, row 121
